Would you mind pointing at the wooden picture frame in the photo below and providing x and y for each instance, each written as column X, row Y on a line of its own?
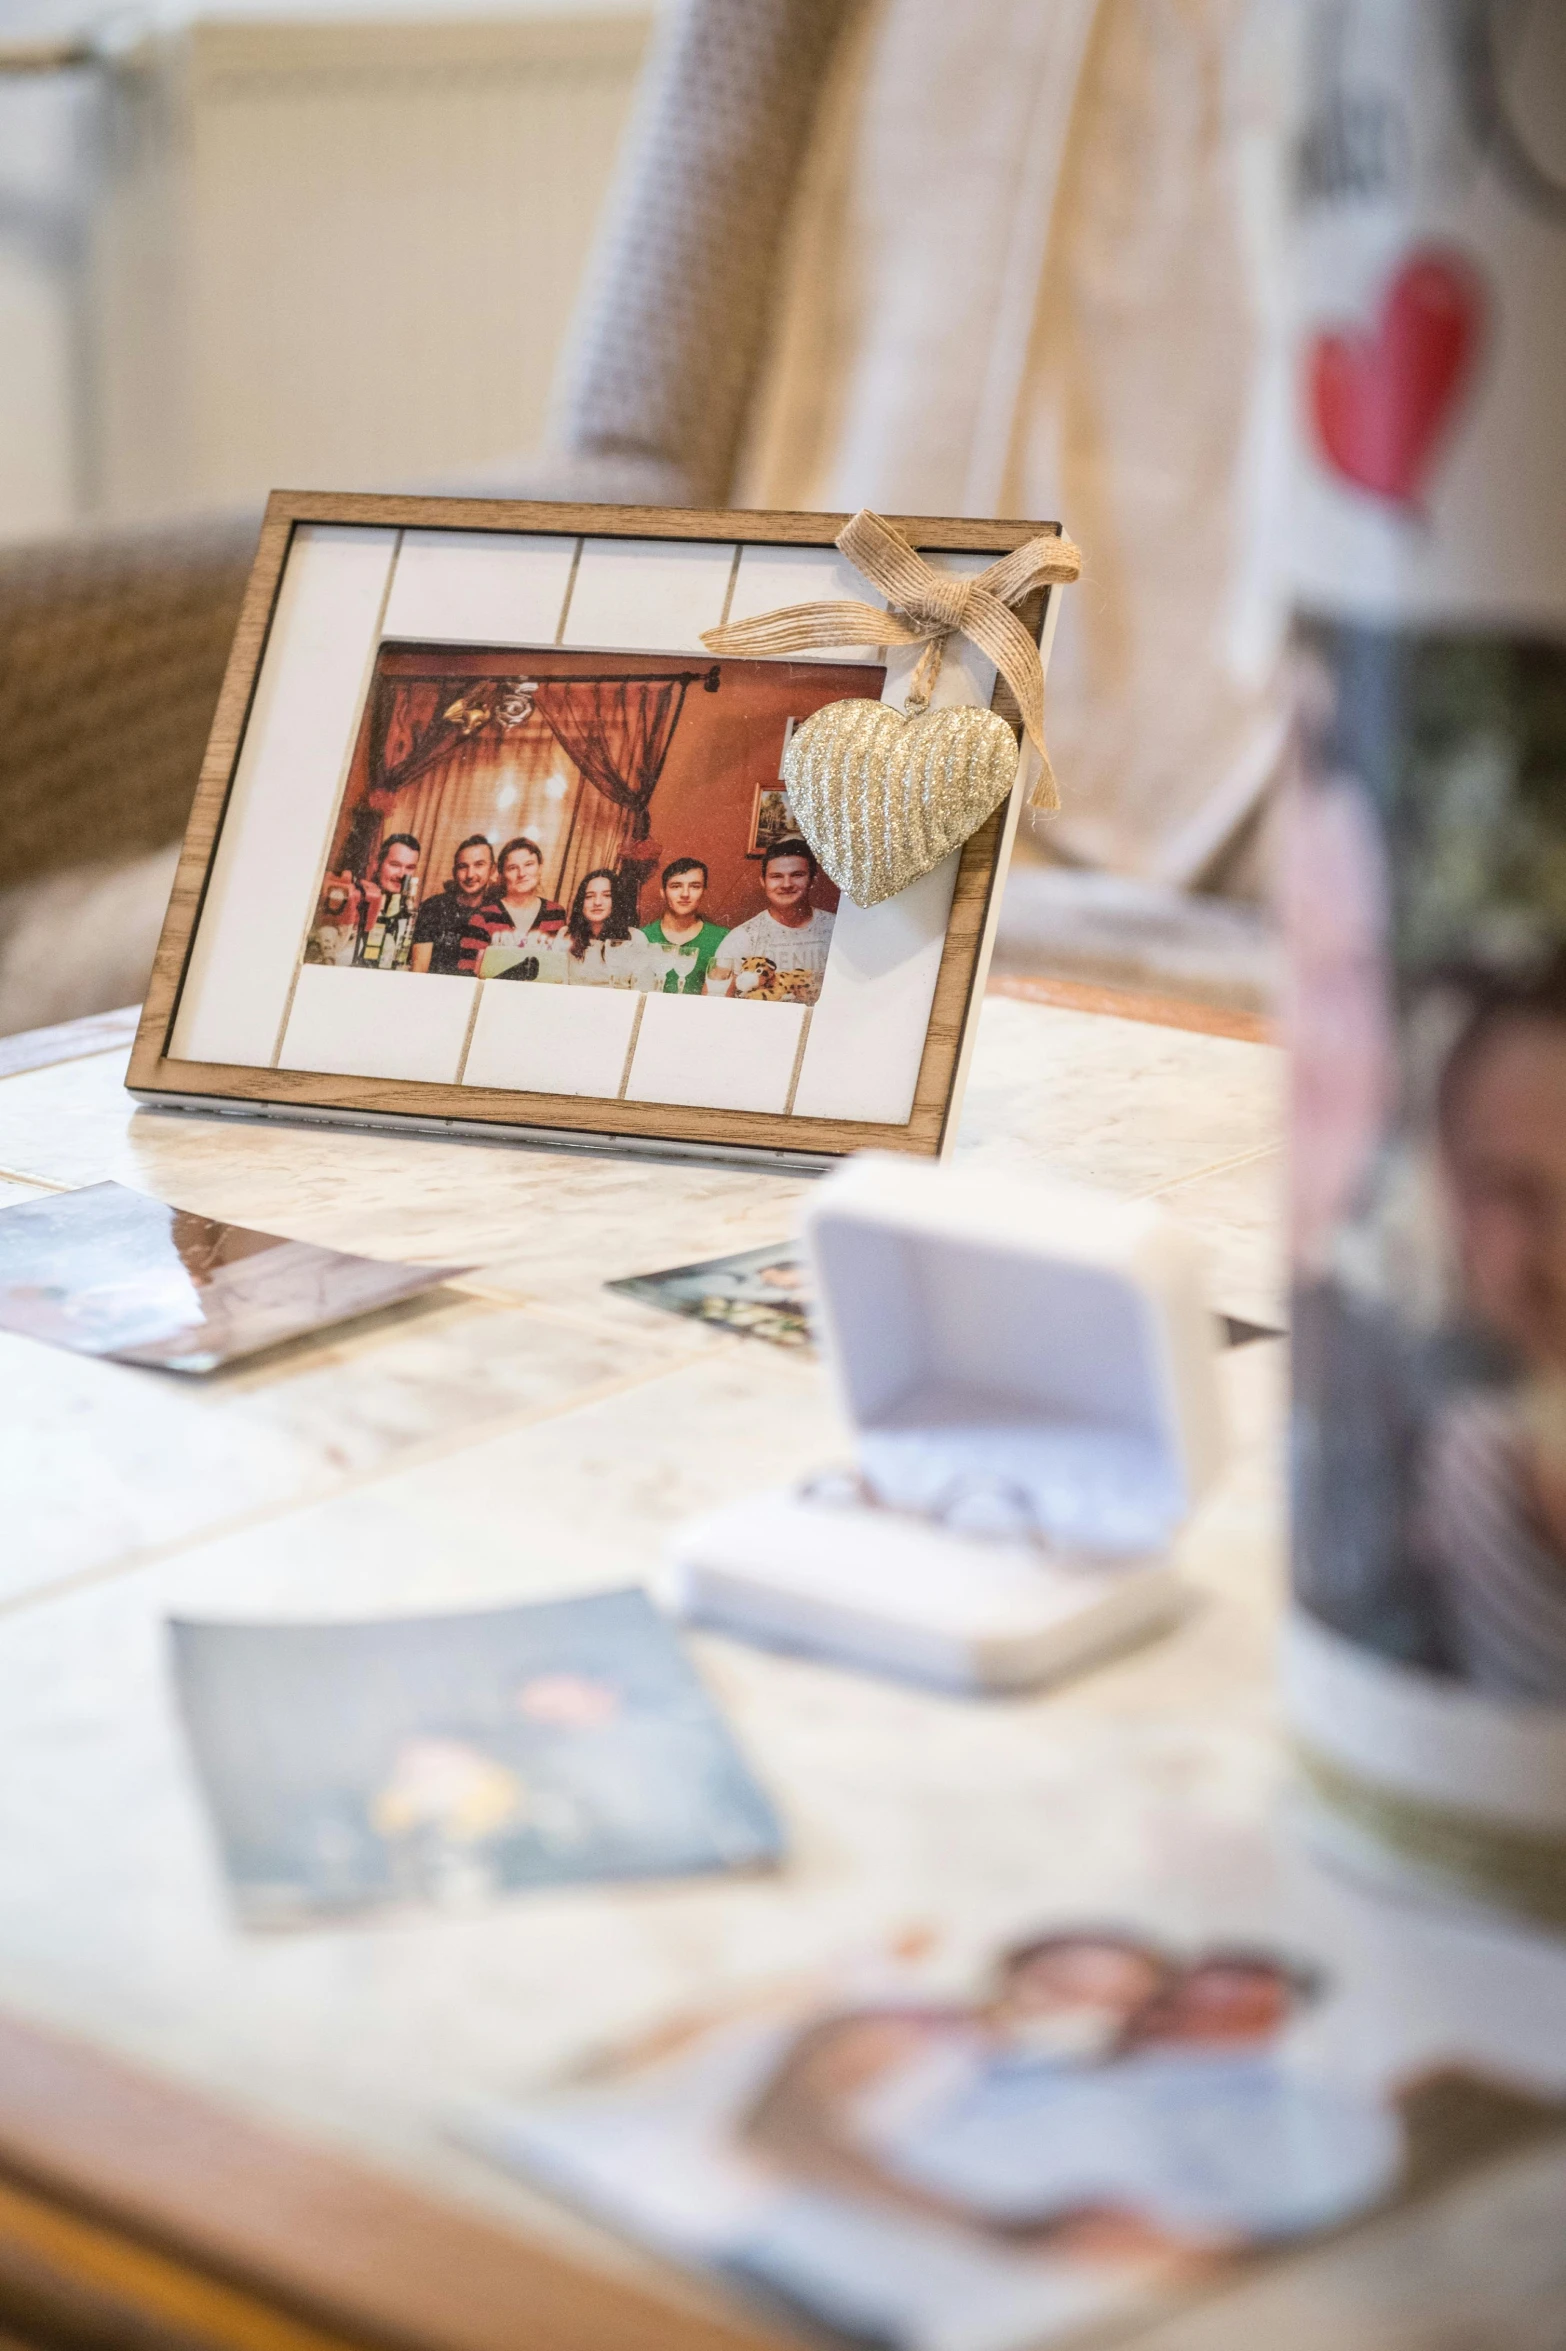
column 171, row 1067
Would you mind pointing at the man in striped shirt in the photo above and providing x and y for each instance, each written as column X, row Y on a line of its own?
column 519, row 911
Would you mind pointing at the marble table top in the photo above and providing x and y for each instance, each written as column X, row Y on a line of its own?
column 532, row 1434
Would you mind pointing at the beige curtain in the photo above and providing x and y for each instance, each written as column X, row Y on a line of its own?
column 1024, row 277
column 521, row 782
column 617, row 731
column 596, row 836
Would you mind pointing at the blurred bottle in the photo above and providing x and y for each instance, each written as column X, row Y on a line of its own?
column 388, row 942
column 406, row 918
column 375, row 934
column 1424, row 883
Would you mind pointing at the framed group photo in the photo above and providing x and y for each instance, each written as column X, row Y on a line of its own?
column 487, row 838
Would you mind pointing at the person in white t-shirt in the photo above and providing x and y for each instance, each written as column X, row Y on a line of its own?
column 780, row 955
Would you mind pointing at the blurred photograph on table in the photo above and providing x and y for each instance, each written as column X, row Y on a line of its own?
column 110, row 1271
column 1098, row 2129
column 763, row 1292
column 443, row 1761
column 766, row 1293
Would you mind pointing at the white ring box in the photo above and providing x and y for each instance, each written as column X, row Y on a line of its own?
column 1033, row 1359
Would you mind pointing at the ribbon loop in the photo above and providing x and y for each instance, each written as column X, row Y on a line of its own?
column 926, row 607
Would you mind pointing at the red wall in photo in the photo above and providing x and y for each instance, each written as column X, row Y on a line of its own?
column 728, row 746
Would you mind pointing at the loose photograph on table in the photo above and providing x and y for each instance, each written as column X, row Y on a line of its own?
column 110, row 1271
column 764, row 1292
column 1094, row 2128
column 445, row 1761
column 580, row 820
column 767, row 1293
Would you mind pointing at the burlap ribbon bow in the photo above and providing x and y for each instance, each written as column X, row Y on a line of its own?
column 927, row 607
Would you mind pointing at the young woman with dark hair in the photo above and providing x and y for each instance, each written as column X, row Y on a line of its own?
column 603, row 952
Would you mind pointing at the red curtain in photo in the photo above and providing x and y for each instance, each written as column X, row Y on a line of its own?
column 418, row 722
column 452, row 755
column 617, row 731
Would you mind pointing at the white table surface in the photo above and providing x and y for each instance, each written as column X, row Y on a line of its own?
column 536, row 1435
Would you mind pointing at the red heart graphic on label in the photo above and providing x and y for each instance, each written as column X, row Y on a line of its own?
column 1381, row 400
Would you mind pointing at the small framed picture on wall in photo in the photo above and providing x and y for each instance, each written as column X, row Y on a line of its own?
column 771, row 819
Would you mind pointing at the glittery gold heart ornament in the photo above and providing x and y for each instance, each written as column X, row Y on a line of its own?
column 882, row 795
column 882, row 798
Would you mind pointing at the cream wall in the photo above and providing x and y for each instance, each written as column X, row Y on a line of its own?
column 314, row 249
column 42, row 215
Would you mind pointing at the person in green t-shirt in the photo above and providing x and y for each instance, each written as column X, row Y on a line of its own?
column 683, row 927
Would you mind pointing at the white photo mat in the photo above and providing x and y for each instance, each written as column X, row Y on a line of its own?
column 346, row 590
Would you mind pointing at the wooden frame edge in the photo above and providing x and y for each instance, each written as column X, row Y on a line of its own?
column 152, row 1071
column 742, row 525
column 310, row 2233
column 213, row 785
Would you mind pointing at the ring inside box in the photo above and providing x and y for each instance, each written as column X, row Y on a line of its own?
column 1033, row 1364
